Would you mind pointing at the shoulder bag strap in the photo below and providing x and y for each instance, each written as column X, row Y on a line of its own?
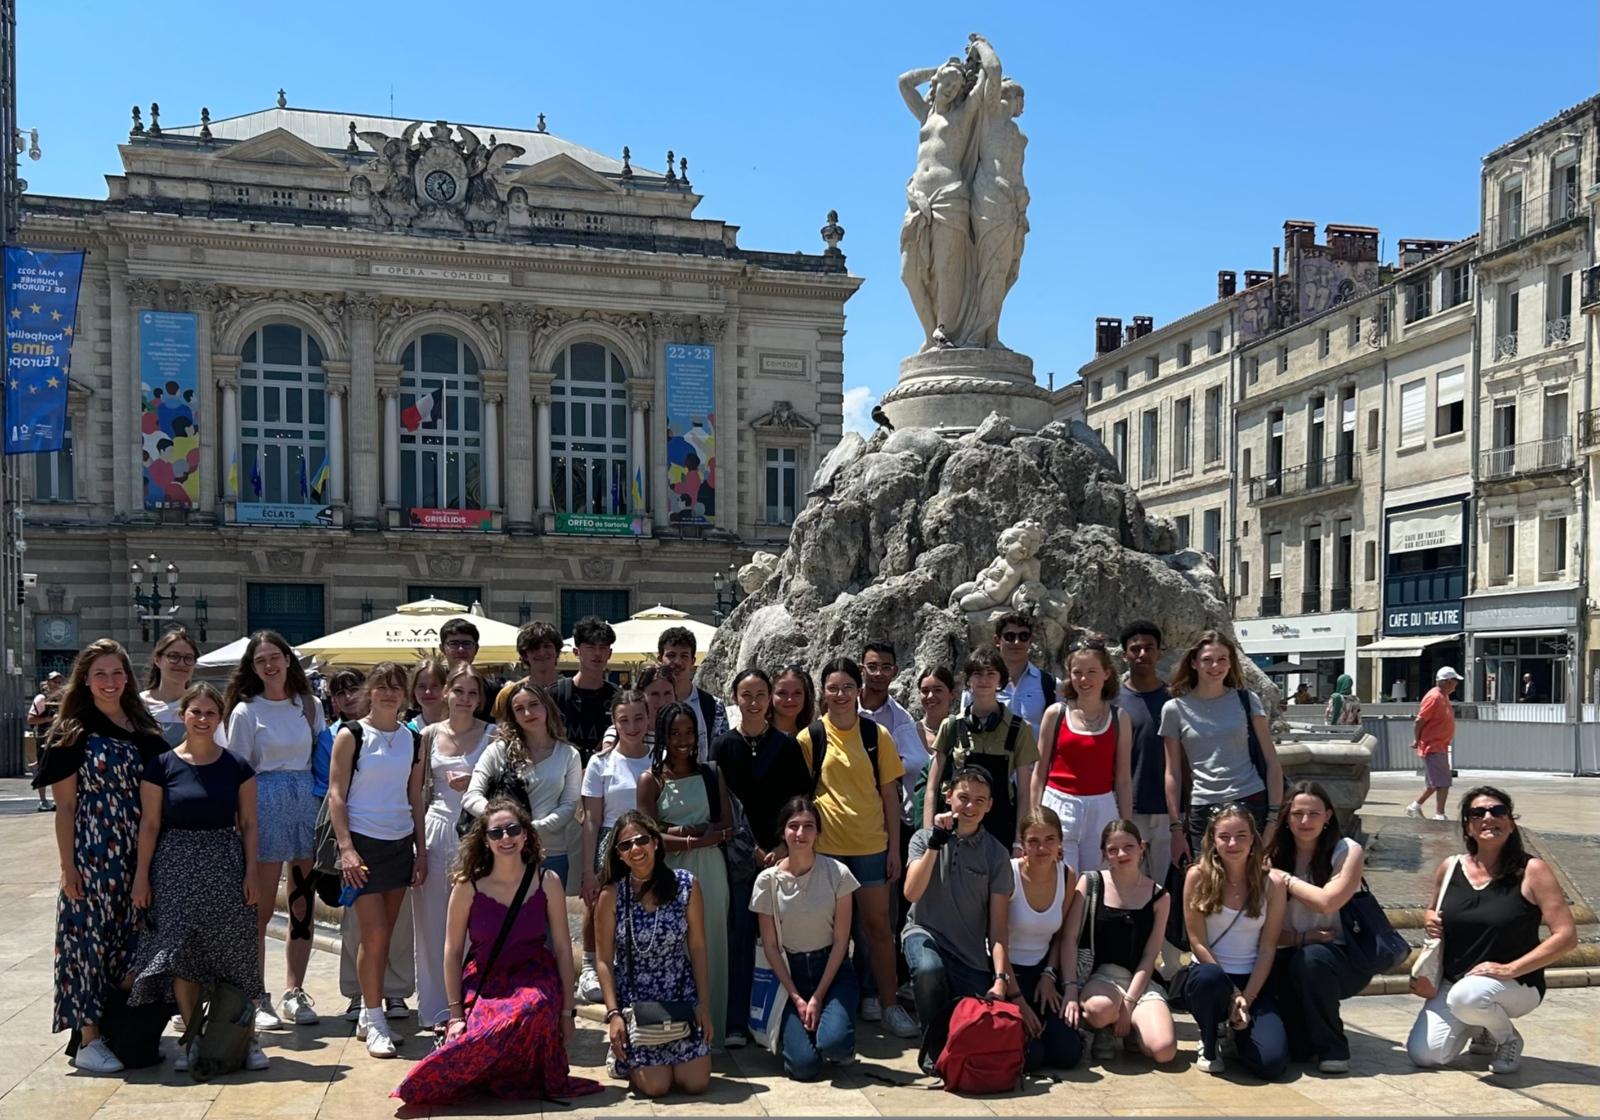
column 505, row 931
column 1444, row 885
column 1095, row 889
column 869, row 742
column 819, row 748
column 1049, row 732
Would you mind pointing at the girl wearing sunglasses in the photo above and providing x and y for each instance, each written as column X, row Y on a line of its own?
column 1494, row 899
column 512, row 1017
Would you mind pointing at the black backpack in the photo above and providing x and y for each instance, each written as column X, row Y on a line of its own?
column 819, row 748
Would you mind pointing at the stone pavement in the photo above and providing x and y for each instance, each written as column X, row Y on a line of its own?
column 323, row 1072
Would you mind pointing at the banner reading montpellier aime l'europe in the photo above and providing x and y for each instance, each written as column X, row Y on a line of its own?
column 41, row 306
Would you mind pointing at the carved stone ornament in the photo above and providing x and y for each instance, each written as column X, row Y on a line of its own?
column 594, row 567
column 519, row 316
column 1011, row 582
column 438, row 182
column 783, row 418
column 283, row 560
column 444, row 564
column 228, row 304
column 144, row 293
column 672, row 327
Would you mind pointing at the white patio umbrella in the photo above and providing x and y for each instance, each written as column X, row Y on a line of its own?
column 409, row 634
column 227, row 657
column 636, row 637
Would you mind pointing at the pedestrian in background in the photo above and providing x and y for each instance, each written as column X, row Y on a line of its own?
column 1435, row 731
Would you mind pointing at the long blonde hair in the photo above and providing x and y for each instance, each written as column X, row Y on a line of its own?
column 1186, row 676
column 510, row 732
column 1206, row 895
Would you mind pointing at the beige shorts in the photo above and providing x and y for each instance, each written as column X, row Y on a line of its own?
column 1119, row 978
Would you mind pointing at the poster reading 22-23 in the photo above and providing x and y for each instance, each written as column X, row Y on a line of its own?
column 170, row 419
column 691, row 433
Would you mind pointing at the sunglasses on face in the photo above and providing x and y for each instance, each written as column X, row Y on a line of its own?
column 1016, row 636
column 1478, row 812
column 1090, row 643
column 501, row 832
column 633, row 842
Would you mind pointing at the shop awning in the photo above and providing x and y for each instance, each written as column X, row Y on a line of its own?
column 1404, row 647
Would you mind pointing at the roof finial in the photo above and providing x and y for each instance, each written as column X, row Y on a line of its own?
column 205, row 123
column 541, row 122
column 138, row 125
column 683, row 172
column 832, row 234
column 283, row 101
column 351, row 147
column 493, row 140
column 671, row 175
column 155, row 119
column 627, row 168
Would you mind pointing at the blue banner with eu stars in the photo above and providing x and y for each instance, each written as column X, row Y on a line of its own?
column 40, row 308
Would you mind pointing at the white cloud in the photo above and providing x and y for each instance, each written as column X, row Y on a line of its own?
column 858, row 410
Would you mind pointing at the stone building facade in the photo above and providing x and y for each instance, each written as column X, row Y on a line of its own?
column 427, row 359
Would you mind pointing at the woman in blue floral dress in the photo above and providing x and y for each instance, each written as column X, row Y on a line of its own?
column 650, row 942
column 93, row 762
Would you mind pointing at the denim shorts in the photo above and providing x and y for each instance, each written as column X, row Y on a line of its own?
column 560, row 864
column 870, row 871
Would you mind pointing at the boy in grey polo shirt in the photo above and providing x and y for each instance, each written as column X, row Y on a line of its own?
column 958, row 881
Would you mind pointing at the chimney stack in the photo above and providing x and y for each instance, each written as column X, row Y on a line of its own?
column 1107, row 335
column 1254, row 276
column 1227, row 283
column 1143, row 325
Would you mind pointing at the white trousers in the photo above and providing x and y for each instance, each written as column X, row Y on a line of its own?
column 1446, row 1022
column 1157, row 831
column 1082, row 821
column 430, row 904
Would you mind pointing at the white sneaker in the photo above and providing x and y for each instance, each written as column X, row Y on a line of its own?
column 1210, row 1065
column 871, row 1009
column 736, row 1040
column 97, row 1058
column 296, row 1008
column 1414, row 809
column 1481, row 1043
column 898, row 1022
column 363, row 1024
column 254, row 1060
column 380, row 1043
column 1334, row 1065
column 1508, row 1055
column 589, row 985
column 1440, row 817
column 266, row 1018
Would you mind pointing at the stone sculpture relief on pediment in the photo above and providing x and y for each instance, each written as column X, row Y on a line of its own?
column 435, row 181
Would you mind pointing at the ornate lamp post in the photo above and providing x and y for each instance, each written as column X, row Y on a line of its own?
column 147, row 598
column 729, row 593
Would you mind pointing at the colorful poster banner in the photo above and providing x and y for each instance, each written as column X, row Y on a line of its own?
column 599, row 524
column 41, row 306
column 479, row 520
column 691, row 433
column 169, row 423
column 272, row 513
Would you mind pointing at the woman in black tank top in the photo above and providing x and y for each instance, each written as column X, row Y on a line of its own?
column 1494, row 899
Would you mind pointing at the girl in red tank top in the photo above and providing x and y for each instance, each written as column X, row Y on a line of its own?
column 1087, row 771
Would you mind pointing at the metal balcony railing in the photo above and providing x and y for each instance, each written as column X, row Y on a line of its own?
column 1271, row 606
column 1311, row 601
column 1541, row 456
column 1317, row 475
column 1558, row 332
column 1590, row 300
column 1514, row 220
column 1339, row 598
column 1505, row 346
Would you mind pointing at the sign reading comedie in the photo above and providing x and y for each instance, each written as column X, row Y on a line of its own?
column 691, row 433
column 169, row 419
column 41, row 305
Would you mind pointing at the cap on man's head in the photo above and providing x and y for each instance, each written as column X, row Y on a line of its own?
column 55, row 675
column 1447, row 674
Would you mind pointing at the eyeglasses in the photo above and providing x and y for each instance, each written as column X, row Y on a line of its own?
column 1016, row 636
column 1086, row 643
column 1478, row 812
column 839, row 689
column 502, row 831
column 461, row 643
column 633, row 842
column 178, row 658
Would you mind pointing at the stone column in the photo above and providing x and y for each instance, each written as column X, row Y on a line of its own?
column 656, row 479
column 491, row 451
column 519, row 418
column 225, row 367
column 724, row 332
column 391, row 446
column 360, row 311
column 541, row 450
column 198, row 296
column 335, row 493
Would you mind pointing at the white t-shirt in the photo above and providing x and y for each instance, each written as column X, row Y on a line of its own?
column 803, row 905
column 614, row 778
column 1302, row 919
column 908, row 744
column 271, row 735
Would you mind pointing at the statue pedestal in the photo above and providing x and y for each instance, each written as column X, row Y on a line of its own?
column 955, row 390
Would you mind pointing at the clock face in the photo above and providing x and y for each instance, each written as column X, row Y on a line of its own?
column 440, row 185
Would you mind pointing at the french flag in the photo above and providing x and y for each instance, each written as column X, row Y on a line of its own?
column 421, row 412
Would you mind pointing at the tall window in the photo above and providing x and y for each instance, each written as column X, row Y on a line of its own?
column 441, row 425
column 1272, row 588
column 283, row 418
column 1183, row 525
column 1418, row 295
column 1119, row 446
column 1502, row 550
column 1213, row 423
column 1457, row 284
column 52, row 471
column 1150, row 446
column 1553, row 545
column 782, row 485
column 1450, row 408
column 1413, row 413
column 1212, row 532
column 589, row 431
column 1182, row 433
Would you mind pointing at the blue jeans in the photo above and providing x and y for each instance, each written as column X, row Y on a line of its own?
column 1309, row 984
column 938, row 980
column 805, row 1052
column 741, row 956
column 1058, row 1046
column 1263, row 1045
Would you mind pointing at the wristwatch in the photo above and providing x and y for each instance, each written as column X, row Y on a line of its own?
column 1003, row 977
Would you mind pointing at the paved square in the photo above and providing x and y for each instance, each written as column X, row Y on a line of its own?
column 323, row 1072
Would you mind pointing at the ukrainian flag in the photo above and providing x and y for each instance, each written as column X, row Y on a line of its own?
column 319, row 481
column 638, row 490
column 233, row 474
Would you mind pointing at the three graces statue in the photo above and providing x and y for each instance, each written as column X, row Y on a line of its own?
column 967, row 208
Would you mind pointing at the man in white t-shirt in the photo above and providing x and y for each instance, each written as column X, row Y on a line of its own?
column 41, row 714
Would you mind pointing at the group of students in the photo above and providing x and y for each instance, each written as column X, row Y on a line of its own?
column 1012, row 843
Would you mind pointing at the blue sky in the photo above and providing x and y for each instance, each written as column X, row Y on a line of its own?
column 1167, row 140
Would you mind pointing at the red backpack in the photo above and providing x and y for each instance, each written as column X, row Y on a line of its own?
column 983, row 1053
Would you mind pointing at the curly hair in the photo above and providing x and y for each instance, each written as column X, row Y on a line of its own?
column 475, row 858
column 1208, row 889
column 663, row 732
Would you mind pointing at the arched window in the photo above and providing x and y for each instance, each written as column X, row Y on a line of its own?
column 283, row 417
column 441, row 425
column 589, row 431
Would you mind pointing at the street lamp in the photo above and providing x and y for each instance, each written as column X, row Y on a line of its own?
column 729, row 593
column 148, row 600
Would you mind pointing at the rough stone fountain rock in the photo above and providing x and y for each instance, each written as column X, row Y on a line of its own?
column 896, row 523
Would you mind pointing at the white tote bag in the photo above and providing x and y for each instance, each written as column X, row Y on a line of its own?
column 767, row 996
column 1429, row 964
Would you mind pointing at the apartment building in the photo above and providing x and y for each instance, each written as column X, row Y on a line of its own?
column 1160, row 401
column 1526, row 613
